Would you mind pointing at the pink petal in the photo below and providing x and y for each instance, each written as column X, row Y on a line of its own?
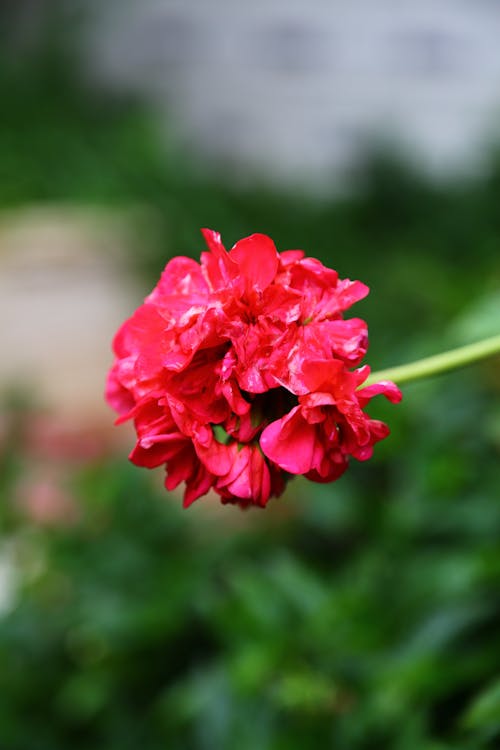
column 322, row 375
column 197, row 486
column 384, row 387
column 181, row 276
column 258, row 260
column 214, row 241
column 220, row 268
column 216, row 457
column 291, row 256
column 117, row 396
column 349, row 292
column 159, row 452
column 348, row 339
column 290, row 443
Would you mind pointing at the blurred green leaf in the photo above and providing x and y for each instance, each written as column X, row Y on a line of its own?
column 484, row 712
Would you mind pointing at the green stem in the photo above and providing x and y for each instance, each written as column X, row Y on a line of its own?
column 424, row 368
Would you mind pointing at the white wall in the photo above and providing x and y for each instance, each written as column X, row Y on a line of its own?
column 296, row 86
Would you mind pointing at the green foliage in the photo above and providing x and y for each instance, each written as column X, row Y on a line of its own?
column 362, row 614
column 356, row 616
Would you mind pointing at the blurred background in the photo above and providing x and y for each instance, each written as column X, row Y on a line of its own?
column 359, row 615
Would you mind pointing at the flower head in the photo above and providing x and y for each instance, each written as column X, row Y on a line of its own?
column 237, row 372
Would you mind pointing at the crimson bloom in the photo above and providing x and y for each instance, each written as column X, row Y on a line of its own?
column 238, row 373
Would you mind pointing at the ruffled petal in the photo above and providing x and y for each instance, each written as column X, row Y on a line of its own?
column 290, row 443
column 257, row 259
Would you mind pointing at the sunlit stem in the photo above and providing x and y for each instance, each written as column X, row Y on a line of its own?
column 424, row 368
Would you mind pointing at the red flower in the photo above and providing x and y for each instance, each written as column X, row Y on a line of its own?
column 236, row 372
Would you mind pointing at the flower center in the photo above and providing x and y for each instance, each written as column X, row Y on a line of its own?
column 269, row 406
column 265, row 408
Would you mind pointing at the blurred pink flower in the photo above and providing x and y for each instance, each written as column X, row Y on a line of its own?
column 50, row 437
column 45, row 501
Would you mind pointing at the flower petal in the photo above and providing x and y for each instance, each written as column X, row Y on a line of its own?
column 290, row 443
column 257, row 259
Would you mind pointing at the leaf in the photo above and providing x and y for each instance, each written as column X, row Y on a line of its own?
column 484, row 712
